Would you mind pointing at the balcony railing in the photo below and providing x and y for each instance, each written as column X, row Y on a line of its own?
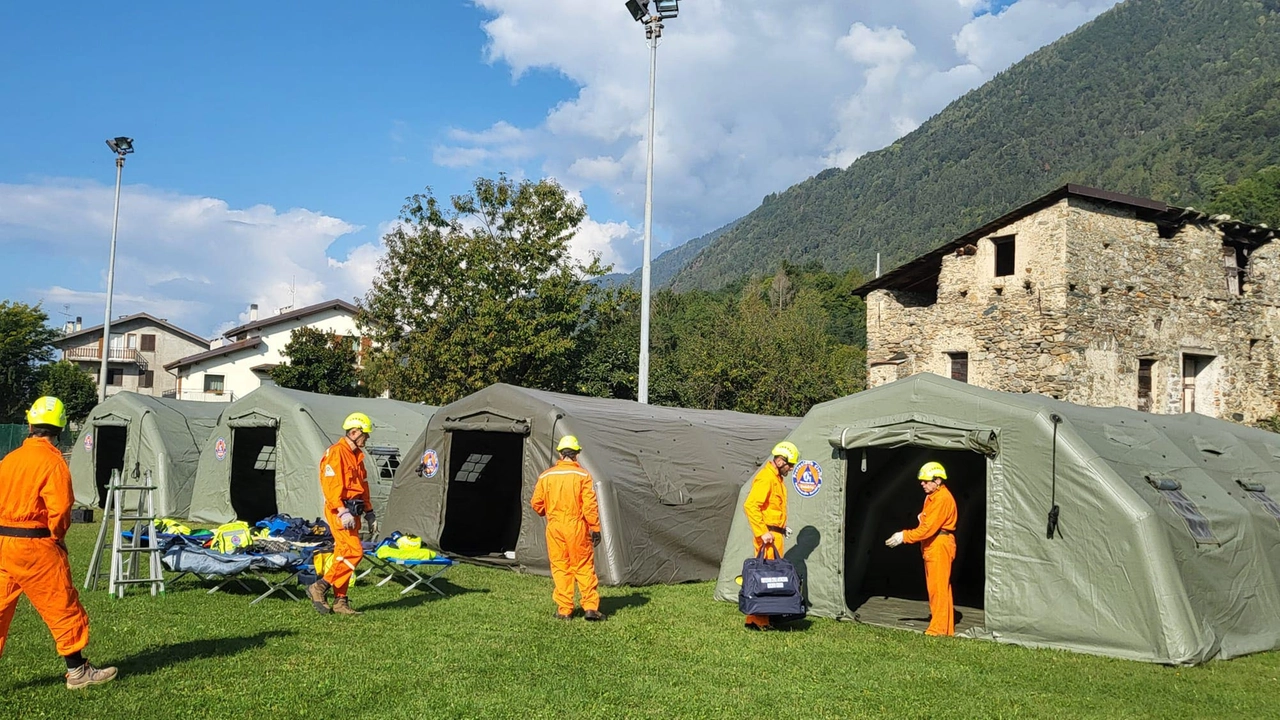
column 113, row 355
column 225, row 396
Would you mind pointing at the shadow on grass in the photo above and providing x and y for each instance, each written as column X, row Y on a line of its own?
column 420, row 595
column 612, row 604
column 168, row 655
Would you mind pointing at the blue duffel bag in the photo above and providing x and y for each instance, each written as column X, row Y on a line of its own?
column 770, row 587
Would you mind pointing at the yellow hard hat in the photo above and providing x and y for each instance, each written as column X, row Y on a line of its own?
column 358, row 421
column 787, row 451
column 48, row 410
column 568, row 442
column 933, row 471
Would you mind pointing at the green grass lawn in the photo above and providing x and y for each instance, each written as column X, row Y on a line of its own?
column 491, row 649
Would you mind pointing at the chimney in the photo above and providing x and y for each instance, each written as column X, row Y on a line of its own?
column 253, row 312
column 78, row 319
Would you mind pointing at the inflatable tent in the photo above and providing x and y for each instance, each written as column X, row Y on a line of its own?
column 263, row 457
column 140, row 434
column 666, row 479
column 1166, row 548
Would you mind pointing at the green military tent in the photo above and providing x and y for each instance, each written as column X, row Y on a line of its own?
column 140, row 434
column 263, row 457
column 666, row 480
column 1166, row 549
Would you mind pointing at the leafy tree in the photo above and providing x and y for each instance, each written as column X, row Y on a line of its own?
column 25, row 344
column 480, row 290
column 318, row 362
column 1255, row 199
column 77, row 389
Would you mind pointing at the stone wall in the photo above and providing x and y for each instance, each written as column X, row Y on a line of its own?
column 1094, row 290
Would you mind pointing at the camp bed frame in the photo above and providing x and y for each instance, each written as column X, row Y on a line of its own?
column 408, row 570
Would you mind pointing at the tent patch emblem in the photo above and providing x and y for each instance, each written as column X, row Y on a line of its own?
column 430, row 463
column 220, row 449
column 88, row 442
column 808, row 478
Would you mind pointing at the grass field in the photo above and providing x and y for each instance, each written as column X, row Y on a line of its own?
column 492, row 650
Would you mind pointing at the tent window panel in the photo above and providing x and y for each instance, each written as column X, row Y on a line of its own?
column 266, row 459
column 1266, row 502
column 1197, row 523
column 472, row 467
column 386, row 460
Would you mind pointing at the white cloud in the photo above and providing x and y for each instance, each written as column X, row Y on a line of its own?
column 751, row 97
column 193, row 260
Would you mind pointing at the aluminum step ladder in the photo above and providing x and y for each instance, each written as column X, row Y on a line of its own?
column 129, row 507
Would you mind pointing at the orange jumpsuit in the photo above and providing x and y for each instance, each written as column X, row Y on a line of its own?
column 35, row 492
column 565, row 496
column 343, row 477
column 936, row 533
column 766, row 509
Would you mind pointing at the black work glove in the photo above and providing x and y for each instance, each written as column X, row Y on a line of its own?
column 595, row 537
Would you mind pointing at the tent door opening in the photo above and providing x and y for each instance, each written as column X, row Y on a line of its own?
column 253, row 473
column 482, row 501
column 886, row 586
column 108, row 454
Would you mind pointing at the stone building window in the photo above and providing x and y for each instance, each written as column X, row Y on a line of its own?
column 1145, row 366
column 1234, row 260
column 1004, row 247
column 959, row 366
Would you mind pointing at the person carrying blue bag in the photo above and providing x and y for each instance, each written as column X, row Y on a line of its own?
column 766, row 510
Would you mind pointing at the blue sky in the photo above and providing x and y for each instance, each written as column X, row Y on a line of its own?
column 276, row 141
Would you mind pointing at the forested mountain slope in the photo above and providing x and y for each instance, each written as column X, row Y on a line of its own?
column 1169, row 99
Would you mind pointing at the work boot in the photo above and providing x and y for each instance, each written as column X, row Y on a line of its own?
column 564, row 616
column 593, row 615
column 342, row 606
column 318, row 593
column 86, row 675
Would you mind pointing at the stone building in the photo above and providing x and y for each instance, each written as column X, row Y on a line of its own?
column 1095, row 298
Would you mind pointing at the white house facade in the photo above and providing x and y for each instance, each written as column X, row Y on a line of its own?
column 244, row 364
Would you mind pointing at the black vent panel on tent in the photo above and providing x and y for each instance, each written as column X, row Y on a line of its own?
column 1258, row 492
column 1196, row 522
column 386, row 460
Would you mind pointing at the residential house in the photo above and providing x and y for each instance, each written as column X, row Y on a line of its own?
column 1096, row 298
column 138, row 349
column 244, row 362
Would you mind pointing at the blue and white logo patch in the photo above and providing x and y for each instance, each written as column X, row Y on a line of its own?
column 807, row 478
column 430, row 463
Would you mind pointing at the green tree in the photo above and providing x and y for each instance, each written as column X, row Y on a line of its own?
column 479, row 290
column 25, row 344
column 77, row 389
column 318, row 362
column 1255, row 199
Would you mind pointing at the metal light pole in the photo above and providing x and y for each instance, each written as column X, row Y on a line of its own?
column 121, row 146
column 652, row 32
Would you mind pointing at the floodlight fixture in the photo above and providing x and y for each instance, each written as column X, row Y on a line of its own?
column 637, row 9
column 667, row 8
column 121, row 145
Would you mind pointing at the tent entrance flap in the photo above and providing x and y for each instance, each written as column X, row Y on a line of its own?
column 253, row 472
column 886, row 586
column 108, row 455
column 482, row 501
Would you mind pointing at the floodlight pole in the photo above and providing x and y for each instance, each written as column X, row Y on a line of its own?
column 111, row 276
column 653, row 31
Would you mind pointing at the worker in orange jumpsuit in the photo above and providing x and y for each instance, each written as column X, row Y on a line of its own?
column 35, row 513
column 766, row 509
column 936, row 535
column 343, row 480
column 566, row 497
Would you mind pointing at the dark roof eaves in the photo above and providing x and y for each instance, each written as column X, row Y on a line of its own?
column 292, row 315
column 148, row 316
column 216, row 352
